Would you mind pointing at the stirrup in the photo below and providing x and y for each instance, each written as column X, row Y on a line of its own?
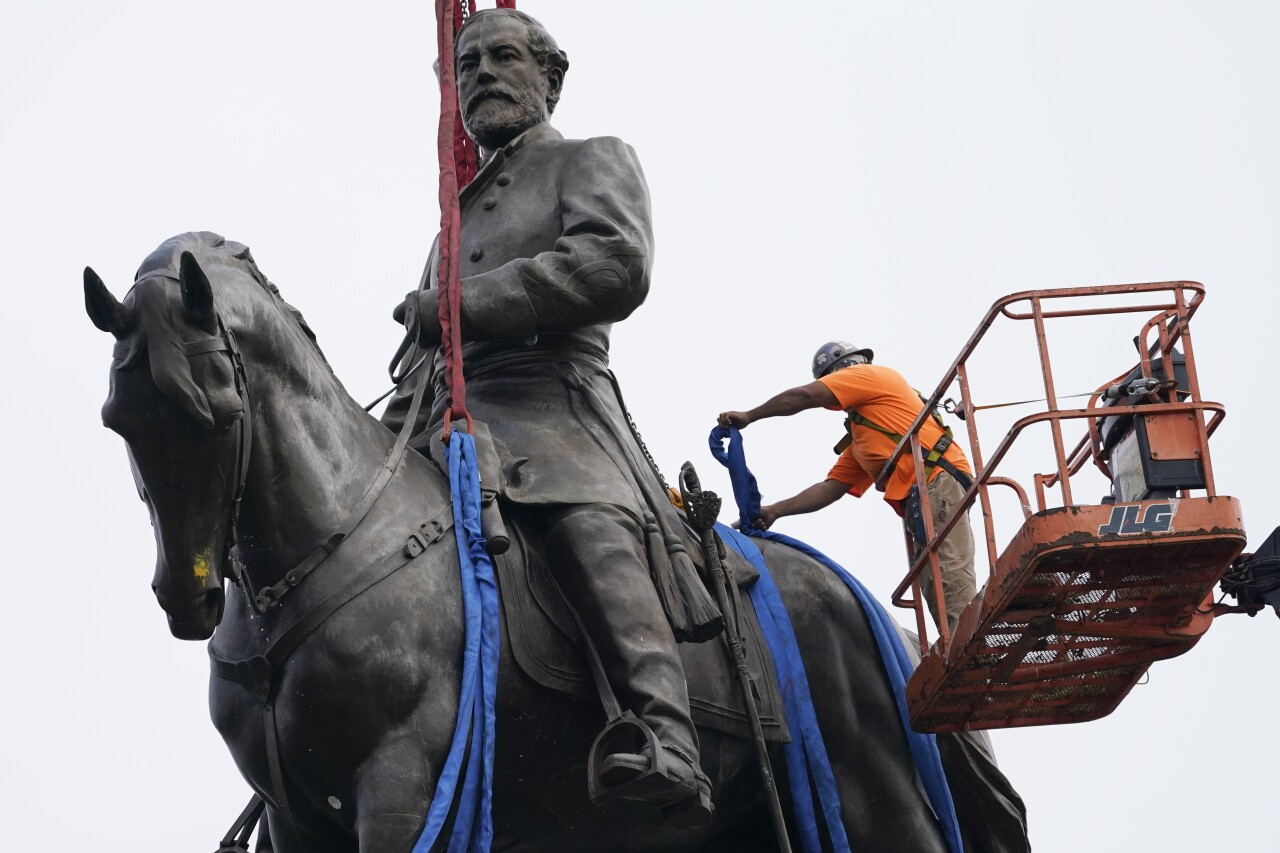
column 627, row 735
column 627, row 747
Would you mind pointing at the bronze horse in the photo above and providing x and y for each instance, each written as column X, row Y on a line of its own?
column 361, row 714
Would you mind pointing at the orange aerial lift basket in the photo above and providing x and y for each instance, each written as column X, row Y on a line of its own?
column 1085, row 597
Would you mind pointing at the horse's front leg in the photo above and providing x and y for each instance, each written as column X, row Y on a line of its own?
column 264, row 844
column 393, row 791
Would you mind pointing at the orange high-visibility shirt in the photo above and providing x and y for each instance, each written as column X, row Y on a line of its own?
column 881, row 395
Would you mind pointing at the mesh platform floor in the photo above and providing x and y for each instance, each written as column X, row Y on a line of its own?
column 1072, row 619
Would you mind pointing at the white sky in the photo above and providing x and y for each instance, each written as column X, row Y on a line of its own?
column 880, row 172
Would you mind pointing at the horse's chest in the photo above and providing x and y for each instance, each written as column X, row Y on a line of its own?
column 357, row 680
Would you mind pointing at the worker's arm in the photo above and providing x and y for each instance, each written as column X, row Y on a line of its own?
column 812, row 499
column 815, row 395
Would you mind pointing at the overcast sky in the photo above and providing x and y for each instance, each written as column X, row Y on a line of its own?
column 880, row 172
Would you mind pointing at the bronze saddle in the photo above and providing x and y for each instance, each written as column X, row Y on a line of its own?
column 545, row 644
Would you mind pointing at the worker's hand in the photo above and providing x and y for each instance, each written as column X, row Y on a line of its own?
column 420, row 309
column 768, row 515
column 741, row 420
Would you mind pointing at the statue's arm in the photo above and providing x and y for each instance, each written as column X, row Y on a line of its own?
column 393, row 416
column 598, row 270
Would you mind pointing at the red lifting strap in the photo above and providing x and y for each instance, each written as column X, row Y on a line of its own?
column 457, row 168
column 448, row 19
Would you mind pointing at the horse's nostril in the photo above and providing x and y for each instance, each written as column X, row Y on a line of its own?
column 211, row 597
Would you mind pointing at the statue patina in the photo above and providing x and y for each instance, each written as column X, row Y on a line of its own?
column 343, row 727
column 557, row 245
column 337, row 691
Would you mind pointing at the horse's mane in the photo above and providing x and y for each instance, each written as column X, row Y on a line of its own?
column 212, row 249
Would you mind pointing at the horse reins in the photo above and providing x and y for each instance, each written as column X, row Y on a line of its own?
column 269, row 597
column 258, row 674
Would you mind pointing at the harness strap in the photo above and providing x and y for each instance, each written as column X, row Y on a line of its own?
column 260, row 674
column 961, row 477
column 226, row 342
column 204, row 346
column 279, row 797
column 269, row 597
column 932, row 456
column 237, row 838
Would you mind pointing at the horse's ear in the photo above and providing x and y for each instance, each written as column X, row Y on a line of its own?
column 105, row 310
column 197, row 293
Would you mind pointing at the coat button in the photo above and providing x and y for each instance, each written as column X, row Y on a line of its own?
column 504, row 179
column 488, row 203
column 476, row 254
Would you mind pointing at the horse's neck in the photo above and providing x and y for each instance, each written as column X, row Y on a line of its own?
column 315, row 452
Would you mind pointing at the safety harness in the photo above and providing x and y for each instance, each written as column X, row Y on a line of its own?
column 934, row 457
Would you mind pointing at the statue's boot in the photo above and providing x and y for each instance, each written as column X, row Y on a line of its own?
column 597, row 554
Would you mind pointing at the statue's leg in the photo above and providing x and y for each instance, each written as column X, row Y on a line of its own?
column 392, row 795
column 597, row 554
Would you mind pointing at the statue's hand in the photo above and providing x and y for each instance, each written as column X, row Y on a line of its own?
column 420, row 310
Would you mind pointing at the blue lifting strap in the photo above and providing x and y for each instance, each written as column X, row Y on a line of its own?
column 806, row 751
column 473, row 736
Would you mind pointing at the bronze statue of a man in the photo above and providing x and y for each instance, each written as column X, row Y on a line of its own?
column 557, row 245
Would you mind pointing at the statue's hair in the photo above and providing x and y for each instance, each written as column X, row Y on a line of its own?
column 541, row 45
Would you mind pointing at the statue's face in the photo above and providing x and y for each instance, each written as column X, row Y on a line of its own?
column 501, row 87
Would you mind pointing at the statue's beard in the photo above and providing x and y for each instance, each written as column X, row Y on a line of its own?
column 494, row 121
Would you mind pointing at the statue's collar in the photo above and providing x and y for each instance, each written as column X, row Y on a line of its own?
column 495, row 161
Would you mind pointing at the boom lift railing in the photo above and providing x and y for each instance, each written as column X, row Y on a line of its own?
column 1170, row 323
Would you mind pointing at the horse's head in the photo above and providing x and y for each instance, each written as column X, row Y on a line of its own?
column 177, row 398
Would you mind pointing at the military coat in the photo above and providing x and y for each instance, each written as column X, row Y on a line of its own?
column 556, row 246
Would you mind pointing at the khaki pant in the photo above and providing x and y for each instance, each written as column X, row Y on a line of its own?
column 955, row 554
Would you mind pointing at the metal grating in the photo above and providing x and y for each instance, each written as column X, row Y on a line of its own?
column 1067, row 628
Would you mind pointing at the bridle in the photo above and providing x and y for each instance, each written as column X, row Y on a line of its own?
column 259, row 674
column 225, row 341
column 269, row 597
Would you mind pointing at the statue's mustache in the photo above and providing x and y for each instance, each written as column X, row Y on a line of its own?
column 492, row 92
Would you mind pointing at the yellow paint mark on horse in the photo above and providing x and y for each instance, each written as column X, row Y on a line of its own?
column 200, row 566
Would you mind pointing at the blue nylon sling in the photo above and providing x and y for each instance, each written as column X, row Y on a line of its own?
column 806, row 751
column 806, row 754
column 470, row 759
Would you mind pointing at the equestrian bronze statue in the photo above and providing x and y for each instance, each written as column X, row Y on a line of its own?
column 314, row 551
column 556, row 246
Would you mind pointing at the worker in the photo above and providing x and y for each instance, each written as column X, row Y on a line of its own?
column 881, row 407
